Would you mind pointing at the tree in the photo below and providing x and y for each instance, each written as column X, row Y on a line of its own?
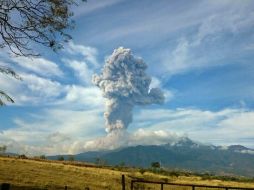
column 3, row 96
column 43, row 157
column 71, row 158
column 40, row 21
column 60, row 158
column 23, row 22
column 155, row 165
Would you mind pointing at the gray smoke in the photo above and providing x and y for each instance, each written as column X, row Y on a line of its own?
column 125, row 84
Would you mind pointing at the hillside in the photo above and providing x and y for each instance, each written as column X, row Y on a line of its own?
column 55, row 175
column 183, row 155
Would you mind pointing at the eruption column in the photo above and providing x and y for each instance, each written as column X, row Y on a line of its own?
column 125, row 84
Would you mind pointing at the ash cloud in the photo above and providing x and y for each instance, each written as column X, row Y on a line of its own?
column 125, row 84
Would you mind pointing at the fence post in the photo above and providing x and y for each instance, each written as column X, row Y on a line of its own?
column 123, row 182
column 193, row 187
column 161, row 186
column 65, row 188
column 5, row 186
column 131, row 185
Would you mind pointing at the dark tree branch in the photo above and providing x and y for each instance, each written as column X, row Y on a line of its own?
column 41, row 21
column 23, row 22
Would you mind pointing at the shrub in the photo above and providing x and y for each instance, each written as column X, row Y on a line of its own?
column 22, row 156
column 43, row 157
column 155, row 165
column 60, row 158
column 142, row 170
column 71, row 158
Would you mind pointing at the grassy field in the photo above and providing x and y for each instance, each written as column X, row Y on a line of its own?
column 39, row 174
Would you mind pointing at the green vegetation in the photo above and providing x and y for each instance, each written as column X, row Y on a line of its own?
column 60, row 158
column 155, row 165
column 71, row 158
column 41, row 173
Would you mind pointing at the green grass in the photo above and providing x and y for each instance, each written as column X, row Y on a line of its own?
column 43, row 174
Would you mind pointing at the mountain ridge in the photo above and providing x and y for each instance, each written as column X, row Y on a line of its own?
column 182, row 155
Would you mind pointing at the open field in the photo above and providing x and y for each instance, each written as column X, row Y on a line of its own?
column 56, row 175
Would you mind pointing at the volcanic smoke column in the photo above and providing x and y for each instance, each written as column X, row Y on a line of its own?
column 125, row 84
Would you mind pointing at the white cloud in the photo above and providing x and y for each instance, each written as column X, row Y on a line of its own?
column 78, row 131
column 92, row 6
column 82, row 97
column 40, row 87
column 192, row 49
column 227, row 126
column 89, row 53
column 32, row 90
column 53, row 131
column 81, row 70
column 40, row 66
column 179, row 60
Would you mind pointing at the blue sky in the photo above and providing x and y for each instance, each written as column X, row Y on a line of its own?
column 199, row 52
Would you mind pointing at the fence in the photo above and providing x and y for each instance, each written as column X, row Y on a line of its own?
column 192, row 186
column 6, row 186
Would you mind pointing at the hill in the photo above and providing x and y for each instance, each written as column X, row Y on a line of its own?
column 54, row 175
column 183, row 155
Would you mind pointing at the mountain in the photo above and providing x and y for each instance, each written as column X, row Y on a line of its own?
column 184, row 155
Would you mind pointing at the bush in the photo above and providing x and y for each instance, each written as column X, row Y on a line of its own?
column 155, row 165
column 142, row 170
column 22, row 156
column 71, row 158
column 43, row 157
column 60, row 158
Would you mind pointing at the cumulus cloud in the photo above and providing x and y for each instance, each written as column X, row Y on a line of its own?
column 226, row 126
column 79, row 133
column 122, row 138
column 125, row 84
column 32, row 89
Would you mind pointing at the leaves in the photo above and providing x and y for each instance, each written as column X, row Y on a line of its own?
column 3, row 95
column 6, row 97
column 8, row 71
column 41, row 21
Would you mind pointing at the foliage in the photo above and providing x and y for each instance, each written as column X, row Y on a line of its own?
column 71, row 158
column 3, row 96
column 155, row 165
column 43, row 157
column 22, row 156
column 23, row 22
column 40, row 21
column 142, row 170
column 60, row 158
column 100, row 162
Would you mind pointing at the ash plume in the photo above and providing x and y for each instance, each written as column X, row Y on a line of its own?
column 124, row 84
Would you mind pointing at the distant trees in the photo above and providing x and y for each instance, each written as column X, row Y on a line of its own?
column 60, row 158
column 100, row 162
column 155, row 165
column 22, row 156
column 43, row 157
column 71, row 158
